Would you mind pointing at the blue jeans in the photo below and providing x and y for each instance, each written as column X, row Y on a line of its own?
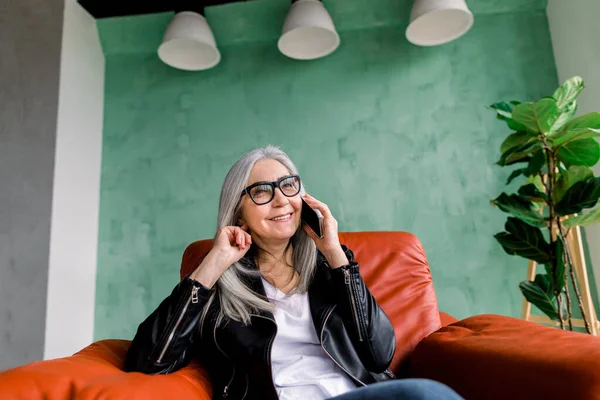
column 401, row 389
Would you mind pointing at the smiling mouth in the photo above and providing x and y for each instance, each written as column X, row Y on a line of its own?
column 285, row 217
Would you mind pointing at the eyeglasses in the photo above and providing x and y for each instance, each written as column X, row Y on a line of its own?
column 263, row 192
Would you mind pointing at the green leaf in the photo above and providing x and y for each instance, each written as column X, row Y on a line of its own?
column 504, row 113
column 537, row 293
column 564, row 116
column 559, row 254
column 584, row 219
column 515, row 174
column 568, row 178
column 583, row 194
column 536, row 163
column 520, row 208
column 524, row 240
column 568, row 92
column 537, row 181
column 538, row 116
column 564, row 137
column 530, row 192
column 516, row 139
column 519, row 153
column 580, row 152
column 589, row 120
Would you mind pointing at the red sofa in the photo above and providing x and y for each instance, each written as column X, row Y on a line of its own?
column 482, row 357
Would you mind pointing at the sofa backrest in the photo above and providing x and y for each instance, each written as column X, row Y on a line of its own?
column 394, row 267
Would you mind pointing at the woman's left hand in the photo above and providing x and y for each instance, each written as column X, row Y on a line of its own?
column 329, row 244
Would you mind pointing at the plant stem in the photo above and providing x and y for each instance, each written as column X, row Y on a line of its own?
column 566, row 277
column 573, row 279
column 549, row 185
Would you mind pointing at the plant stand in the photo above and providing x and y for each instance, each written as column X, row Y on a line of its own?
column 579, row 266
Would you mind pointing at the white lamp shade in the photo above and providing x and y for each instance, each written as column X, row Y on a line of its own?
column 434, row 22
column 308, row 31
column 189, row 43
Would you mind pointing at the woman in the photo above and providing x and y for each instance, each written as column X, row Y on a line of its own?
column 274, row 311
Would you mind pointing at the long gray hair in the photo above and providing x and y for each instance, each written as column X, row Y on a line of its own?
column 237, row 300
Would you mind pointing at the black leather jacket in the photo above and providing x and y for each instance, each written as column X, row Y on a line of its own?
column 352, row 329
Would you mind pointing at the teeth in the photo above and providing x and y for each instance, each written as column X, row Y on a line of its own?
column 282, row 218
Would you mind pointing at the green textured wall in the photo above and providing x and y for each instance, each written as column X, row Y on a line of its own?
column 390, row 135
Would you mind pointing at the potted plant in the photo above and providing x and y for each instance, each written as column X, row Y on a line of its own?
column 554, row 152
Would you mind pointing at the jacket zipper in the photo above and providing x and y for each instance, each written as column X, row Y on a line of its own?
column 269, row 347
column 226, row 388
column 389, row 373
column 330, row 356
column 193, row 299
column 348, row 283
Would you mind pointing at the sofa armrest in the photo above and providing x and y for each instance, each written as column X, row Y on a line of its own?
column 97, row 372
column 496, row 357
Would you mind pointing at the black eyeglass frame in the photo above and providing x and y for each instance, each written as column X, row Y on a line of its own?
column 274, row 185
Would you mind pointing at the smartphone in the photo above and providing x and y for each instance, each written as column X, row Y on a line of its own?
column 312, row 218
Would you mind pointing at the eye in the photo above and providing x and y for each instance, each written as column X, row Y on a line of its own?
column 261, row 190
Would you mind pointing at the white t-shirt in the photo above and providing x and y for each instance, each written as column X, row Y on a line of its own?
column 301, row 368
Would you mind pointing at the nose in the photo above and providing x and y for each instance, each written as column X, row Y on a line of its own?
column 279, row 199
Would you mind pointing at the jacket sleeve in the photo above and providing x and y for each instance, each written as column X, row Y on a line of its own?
column 370, row 328
column 163, row 341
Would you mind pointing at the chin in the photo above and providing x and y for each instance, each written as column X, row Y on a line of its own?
column 285, row 235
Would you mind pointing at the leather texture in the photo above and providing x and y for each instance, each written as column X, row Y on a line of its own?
column 97, row 372
column 497, row 357
column 483, row 357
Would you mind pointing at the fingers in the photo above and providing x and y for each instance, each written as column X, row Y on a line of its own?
column 314, row 203
column 239, row 239
column 330, row 225
column 242, row 238
column 236, row 236
column 229, row 233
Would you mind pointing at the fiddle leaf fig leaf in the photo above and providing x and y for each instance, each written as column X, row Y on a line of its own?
column 520, row 208
column 504, row 113
column 579, row 152
column 537, row 181
column 568, row 92
column 519, row 153
column 536, row 163
column 568, row 178
column 524, row 240
column 564, row 117
column 537, row 117
column 584, row 219
column 530, row 192
column 589, row 120
column 569, row 136
column 583, row 194
column 539, row 294
column 516, row 139
column 516, row 173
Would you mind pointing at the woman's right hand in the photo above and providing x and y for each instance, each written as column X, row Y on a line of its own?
column 230, row 245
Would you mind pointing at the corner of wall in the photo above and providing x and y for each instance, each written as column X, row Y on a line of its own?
column 75, row 205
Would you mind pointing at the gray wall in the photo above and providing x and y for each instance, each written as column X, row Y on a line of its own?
column 30, row 41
